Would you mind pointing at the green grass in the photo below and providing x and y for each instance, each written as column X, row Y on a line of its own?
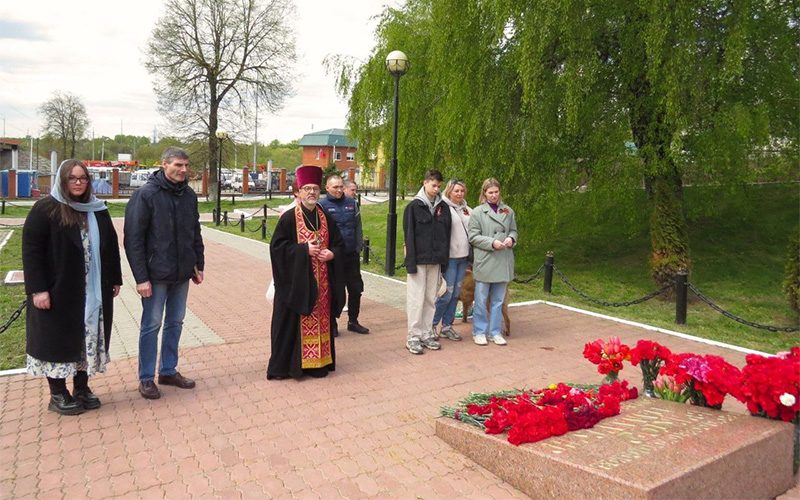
column 12, row 341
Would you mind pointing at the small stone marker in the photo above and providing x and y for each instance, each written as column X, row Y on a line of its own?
column 653, row 449
column 14, row 278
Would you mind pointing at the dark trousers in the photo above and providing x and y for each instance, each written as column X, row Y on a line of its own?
column 354, row 284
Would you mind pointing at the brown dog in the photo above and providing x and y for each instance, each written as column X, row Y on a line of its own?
column 467, row 296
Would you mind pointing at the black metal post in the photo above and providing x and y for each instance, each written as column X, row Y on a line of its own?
column 391, row 218
column 4, row 207
column 233, row 199
column 681, row 296
column 366, row 251
column 214, row 216
column 265, row 211
column 548, row 272
column 225, row 217
column 264, row 229
column 359, row 199
column 241, row 222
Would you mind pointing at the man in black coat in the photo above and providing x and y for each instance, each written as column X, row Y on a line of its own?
column 306, row 252
column 165, row 250
column 345, row 211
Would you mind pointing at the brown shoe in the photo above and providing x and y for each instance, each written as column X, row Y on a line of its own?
column 177, row 380
column 148, row 390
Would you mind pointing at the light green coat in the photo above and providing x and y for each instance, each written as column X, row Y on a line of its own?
column 486, row 226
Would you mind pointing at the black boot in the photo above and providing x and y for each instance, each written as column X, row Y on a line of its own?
column 61, row 401
column 82, row 393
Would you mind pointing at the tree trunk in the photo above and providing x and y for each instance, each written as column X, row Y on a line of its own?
column 668, row 230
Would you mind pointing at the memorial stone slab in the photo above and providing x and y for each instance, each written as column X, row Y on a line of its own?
column 653, row 449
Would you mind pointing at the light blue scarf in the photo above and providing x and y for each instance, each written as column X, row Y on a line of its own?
column 94, row 296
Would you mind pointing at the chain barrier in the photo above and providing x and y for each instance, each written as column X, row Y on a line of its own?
column 737, row 318
column 613, row 304
column 380, row 263
column 234, row 224
column 535, row 275
column 258, row 228
column 375, row 257
column 14, row 316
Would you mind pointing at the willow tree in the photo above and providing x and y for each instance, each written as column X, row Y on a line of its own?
column 212, row 59
column 548, row 96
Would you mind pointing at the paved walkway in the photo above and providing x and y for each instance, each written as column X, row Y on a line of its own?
column 366, row 431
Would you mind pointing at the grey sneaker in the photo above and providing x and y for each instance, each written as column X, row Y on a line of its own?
column 414, row 346
column 432, row 344
column 448, row 332
column 434, row 334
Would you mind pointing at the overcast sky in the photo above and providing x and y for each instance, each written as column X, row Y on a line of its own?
column 94, row 49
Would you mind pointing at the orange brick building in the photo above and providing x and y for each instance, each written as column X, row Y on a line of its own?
column 329, row 146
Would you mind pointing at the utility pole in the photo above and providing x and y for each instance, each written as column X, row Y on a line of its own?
column 30, row 155
column 103, row 151
column 255, row 142
column 92, row 144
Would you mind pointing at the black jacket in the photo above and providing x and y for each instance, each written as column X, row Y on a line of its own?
column 347, row 215
column 162, row 232
column 427, row 236
column 53, row 261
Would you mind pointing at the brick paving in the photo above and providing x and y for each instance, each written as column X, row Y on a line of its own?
column 366, row 431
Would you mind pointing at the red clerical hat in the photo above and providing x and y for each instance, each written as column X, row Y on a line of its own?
column 309, row 174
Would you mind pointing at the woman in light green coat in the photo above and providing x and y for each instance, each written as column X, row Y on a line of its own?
column 493, row 234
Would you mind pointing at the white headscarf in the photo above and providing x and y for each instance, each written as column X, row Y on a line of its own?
column 94, row 296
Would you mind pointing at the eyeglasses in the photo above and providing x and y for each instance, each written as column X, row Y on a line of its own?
column 456, row 181
column 310, row 189
column 78, row 180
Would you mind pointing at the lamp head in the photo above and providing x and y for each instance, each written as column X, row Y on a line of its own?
column 222, row 135
column 397, row 63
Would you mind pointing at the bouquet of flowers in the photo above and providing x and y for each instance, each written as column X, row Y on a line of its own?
column 707, row 379
column 530, row 416
column 650, row 356
column 669, row 390
column 608, row 356
column 770, row 386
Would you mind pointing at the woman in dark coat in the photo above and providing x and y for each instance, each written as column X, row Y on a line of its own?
column 70, row 256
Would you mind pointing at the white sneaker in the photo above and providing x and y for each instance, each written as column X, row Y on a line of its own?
column 480, row 339
column 499, row 340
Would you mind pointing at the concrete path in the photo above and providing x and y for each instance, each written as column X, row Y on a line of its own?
column 366, row 431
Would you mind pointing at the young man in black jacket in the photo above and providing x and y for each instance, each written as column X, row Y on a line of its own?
column 165, row 250
column 426, row 224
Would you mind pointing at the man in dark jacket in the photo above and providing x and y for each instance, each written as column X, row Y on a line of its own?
column 344, row 210
column 426, row 224
column 165, row 250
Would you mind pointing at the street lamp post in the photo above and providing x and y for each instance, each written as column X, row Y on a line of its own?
column 221, row 136
column 397, row 64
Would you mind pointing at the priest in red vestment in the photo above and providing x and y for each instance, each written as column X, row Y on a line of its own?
column 306, row 253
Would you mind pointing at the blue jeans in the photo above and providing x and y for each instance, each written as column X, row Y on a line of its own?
column 171, row 297
column 446, row 304
column 483, row 323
